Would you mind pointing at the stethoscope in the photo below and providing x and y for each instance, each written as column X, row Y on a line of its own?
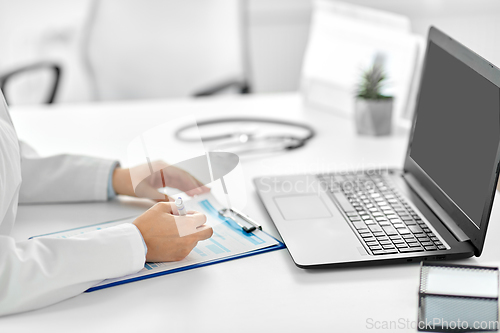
column 249, row 141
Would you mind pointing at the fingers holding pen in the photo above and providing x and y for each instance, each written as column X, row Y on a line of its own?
column 197, row 219
column 190, row 223
column 171, row 237
column 204, row 232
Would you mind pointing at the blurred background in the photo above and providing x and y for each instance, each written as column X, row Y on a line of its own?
column 106, row 50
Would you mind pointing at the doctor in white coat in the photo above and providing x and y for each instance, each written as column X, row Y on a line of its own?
column 39, row 272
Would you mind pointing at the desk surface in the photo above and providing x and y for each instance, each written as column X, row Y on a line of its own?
column 281, row 297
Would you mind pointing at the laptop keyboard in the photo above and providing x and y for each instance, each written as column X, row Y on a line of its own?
column 381, row 217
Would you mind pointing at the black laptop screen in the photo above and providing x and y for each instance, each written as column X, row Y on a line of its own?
column 457, row 130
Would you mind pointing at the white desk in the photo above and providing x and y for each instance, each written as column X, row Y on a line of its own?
column 260, row 293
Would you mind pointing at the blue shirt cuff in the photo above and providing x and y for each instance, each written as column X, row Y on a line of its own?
column 111, row 190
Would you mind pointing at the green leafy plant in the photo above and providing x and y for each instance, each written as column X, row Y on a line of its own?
column 372, row 81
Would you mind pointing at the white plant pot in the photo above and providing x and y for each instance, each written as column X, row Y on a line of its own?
column 373, row 116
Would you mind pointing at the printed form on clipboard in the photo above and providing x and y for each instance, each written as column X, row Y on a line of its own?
column 228, row 242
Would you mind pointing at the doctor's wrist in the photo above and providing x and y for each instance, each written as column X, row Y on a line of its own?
column 122, row 184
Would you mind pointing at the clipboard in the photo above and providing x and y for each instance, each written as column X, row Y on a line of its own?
column 229, row 242
column 185, row 268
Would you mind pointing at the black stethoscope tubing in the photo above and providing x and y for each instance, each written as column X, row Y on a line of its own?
column 297, row 141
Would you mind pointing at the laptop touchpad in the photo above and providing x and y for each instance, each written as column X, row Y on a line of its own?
column 302, row 207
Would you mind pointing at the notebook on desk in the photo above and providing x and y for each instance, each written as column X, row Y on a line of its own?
column 228, row 242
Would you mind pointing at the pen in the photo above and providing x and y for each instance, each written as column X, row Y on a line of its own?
column 180, row 206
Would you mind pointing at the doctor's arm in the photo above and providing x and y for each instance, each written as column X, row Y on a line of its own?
column 43, row 271
column 76, row 178
column 63, row 178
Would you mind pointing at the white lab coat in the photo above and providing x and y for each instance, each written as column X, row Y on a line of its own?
column 39, row 272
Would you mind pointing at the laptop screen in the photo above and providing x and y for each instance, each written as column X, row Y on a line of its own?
column 457, row 131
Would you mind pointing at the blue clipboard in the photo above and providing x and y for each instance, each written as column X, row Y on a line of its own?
column 279, row 246
column 210, row 210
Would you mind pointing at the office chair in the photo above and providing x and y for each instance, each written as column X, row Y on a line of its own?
column 55, row 68
column 137, row 49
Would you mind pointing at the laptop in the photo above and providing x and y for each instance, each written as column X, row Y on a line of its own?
column 437, row 207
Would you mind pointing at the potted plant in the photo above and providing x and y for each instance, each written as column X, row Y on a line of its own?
column 373, row 110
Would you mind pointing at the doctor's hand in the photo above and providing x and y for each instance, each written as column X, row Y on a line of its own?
column 171, row 237
column 149, row 184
